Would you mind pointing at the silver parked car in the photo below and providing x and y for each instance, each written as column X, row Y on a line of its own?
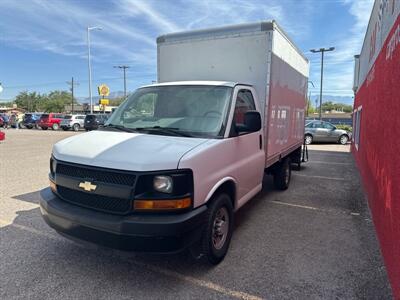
column 74, row 122
column 321, row 131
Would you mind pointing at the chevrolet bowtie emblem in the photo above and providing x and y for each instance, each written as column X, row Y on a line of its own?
column 87, row 186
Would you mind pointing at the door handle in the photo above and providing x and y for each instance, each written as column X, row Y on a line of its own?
column 260, row 140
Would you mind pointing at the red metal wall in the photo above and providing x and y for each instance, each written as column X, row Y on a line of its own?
column 378, row 156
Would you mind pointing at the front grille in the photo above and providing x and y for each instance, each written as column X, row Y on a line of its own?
column 93, row 201
column 97, row 175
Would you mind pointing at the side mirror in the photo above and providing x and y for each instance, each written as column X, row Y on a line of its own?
column 252, row 122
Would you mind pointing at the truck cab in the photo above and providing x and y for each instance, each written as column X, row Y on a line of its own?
column 161, row 173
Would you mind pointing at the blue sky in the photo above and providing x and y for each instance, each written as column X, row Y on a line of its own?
column 43, row 43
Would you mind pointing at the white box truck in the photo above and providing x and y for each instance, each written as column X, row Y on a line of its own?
column 179, row 157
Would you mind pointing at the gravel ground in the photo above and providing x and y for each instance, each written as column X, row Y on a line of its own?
column 313, row 241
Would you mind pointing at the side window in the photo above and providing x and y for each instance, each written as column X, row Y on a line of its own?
column 244, row 103
column 317, row 125
column 328, row 126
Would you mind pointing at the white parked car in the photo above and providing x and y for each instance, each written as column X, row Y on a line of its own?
column 74, row 122
column 176, row 159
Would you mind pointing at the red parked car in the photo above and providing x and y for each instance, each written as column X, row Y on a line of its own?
column 51, row 120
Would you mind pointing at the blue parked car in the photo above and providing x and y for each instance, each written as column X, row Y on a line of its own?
column 31, row 120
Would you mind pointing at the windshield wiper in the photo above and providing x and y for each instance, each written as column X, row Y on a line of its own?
column 168, row 130
column 119, row 127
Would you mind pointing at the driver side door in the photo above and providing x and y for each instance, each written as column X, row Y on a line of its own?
column 247, row 147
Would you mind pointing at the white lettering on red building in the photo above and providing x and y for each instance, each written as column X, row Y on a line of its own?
column 393, row 43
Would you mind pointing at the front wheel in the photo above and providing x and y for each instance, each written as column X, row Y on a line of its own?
column 218, row 229
column 55, row 126
column 343, row 139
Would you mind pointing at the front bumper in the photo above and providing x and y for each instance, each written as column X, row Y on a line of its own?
column 157, row 233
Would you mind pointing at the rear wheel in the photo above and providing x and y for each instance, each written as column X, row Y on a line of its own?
column 218, row 229
column 55, row 126
column 76, row 127
column 282, row 175
column 308, row 139
column 343, row 139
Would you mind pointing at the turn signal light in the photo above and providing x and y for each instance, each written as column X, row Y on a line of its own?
column 162, row 204
column 53, row 186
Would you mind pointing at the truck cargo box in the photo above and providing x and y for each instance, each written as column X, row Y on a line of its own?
column 259, row 54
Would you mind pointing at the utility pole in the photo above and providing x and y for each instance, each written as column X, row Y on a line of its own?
column 124, row 68
column 72, row 85
column 322, row 50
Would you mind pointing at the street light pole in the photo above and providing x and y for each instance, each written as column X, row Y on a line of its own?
column 322, row 50
column 124, row 68
column 89, row 65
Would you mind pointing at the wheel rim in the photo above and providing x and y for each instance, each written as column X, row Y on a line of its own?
column 220, row 228
column 308, row 139
column 55, row 126
column 343, row 140
column 76, row 127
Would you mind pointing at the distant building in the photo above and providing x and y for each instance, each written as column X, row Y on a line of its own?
column 376, row 143
column 84, row 109
column 11, row 110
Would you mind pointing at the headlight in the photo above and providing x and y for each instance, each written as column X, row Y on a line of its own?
column 163, row 184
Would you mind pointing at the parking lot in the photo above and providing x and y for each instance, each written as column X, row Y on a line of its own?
column 314, row 241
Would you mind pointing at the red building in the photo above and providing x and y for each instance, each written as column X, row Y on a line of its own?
column 376, row 120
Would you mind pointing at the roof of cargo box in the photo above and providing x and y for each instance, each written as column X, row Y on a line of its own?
column 222, row 31
column 197, row 82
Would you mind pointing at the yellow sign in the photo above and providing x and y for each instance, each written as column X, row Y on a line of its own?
column 104, row 90
column 104, row 101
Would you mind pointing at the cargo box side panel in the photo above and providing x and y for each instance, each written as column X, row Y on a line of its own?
column 287, row 99
column 238, row 58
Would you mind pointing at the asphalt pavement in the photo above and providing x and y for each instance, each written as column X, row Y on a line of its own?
column 314, row 241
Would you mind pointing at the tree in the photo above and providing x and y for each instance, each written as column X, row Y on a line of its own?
column 55, row 101
column 29, row 101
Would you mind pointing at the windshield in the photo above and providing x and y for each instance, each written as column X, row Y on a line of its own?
column 198, row 111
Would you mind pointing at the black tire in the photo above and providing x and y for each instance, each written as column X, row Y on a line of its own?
column 213, row 251
column 44, row 128
column 55, row 126
column 28, row 127
column 282, row 175
column 308, row 139
column 343, row 139
column 76, row 127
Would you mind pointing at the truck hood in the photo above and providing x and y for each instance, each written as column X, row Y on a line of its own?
column 124, row 150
